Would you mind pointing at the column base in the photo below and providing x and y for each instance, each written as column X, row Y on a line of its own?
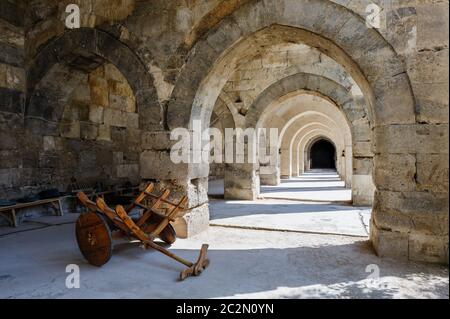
column 193, row 222
column 409, row 246
column 269, row 180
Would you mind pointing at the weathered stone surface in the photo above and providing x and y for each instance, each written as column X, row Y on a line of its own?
column 395, row 172
column 11, row 100
column 432, row 172
column 388, row 243
column 428, row 248
column 157, row 141
column 148, row 63
column 418, row 138
column 411, row 202
column 99, row 91
column 193, row 222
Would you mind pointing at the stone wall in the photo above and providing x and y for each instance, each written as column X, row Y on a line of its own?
column 97, row 140
column 188, row 55
column 12, row 95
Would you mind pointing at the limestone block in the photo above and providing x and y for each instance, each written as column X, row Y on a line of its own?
column 362, row 149
column 388, row 243
column 241, row 182
column 88, row 131
column 127, row 170
column 114, row 117
column 120, row 88
column 98, row 73
column 49, row 160
column 3, row 70
column 132, row 120
column 428, row 248
column 270, row 179
column 96, row 114
column 104, row 133
column 15, row 78
column 430, row 223
column 412, row 202
column 395, row 172
column 117, row 157
column 193, row 222
column 158, row 165
column 117, row 102
column 429, row 71
column 52, row 143
column 362, row 165
column 82, row 93
column 363, row 190
column 432, row 100
column 432, row 25
column 361, row 130
column 70, row 130
column 99, row 91
column 130, row 104
column 429, row 66
column 112, row 73
column 416, row 138
column 394, row 100
column 159, row 140
column 7, row 177
column 432, row 172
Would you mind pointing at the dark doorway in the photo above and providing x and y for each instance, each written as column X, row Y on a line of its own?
column 323, row 155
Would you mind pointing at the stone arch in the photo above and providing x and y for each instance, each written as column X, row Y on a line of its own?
column 88, row 48
column 304, row 83
column 297, row 164
column 357, row 56
column 286, row 107
column 315, row 139
column 288, row 144
column 342, row 35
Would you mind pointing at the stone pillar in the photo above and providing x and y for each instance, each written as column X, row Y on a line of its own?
column 182, row 179
column 410, row 212
column 294, row 162
column 241, row 181
column 285, row 164
column 348, row 166
column 269, row 173
column 363, row 188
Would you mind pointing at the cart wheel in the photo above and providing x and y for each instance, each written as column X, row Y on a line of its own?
column 94, row 238
column 168, row 235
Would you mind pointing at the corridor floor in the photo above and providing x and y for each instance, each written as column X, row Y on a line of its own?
column 316, row 202
column 269, row 248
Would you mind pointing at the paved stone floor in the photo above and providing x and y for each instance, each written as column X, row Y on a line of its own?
column 263, row 249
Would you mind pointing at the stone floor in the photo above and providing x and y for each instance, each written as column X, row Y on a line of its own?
column 270, row 248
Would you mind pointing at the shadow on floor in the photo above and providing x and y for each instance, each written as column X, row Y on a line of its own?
column 325, row 271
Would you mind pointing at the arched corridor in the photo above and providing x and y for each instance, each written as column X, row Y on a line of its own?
column 292, row 130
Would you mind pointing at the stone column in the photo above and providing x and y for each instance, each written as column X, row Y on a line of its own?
column 348, row 166
column 241, row 181
column 294, row 162
column 363, row 188
column 182, row 179
column 285, row 164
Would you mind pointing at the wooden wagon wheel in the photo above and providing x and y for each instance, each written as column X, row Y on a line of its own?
column 94, row 238
column 167, row 235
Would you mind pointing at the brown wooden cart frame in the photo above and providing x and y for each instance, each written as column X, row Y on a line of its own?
column 95, row 228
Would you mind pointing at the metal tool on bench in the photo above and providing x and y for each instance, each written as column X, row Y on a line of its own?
column 95, row 228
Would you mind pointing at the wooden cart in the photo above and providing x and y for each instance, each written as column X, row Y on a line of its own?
column 96, row 228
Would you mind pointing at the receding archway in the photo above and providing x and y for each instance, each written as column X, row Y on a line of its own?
column 322, row 155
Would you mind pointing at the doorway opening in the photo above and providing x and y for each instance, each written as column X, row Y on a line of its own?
column 323, row 155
